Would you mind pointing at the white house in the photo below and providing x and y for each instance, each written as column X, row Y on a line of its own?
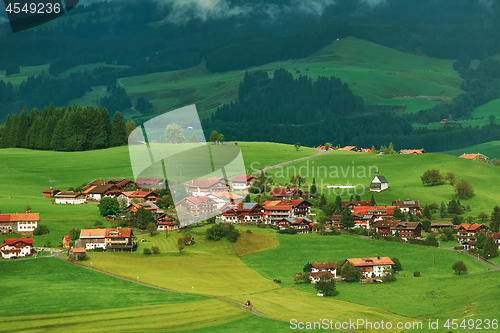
column 224, row 197
column 372, row 267
column 242, row 182
column 69, row 197
column 379, row 183
column 319, row 269
column 17, row 247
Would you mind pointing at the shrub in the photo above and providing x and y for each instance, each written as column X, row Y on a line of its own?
column 288, row 230
column 156, row 249
column 147, row 250
column 249, row 231
column 459, row 247
column 40, row 230
column 416, row 274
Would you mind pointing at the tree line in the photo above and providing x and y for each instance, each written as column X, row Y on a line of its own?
column 72, row 128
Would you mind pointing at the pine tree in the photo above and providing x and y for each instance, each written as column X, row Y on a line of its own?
column 338, row 204
column 427, row 213
column 58, row 141
column 347, row 220
column 495, row 220
column 314, row 188
column 442, row 210
column 118, row 131
column 373, row 200
column 23, row 125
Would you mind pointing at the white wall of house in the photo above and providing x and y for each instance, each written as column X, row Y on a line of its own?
column 24, row 252
column 240, row 186
column 70, row 201
column 28, row 226
column 93, row 246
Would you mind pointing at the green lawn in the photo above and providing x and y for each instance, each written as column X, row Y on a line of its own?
column 379, row 74
column 490, row 149
column 438, row 293
column 25, row 71
column 403, row 173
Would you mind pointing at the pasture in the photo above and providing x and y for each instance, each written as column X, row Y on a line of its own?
column 490, row 149
column 403, row 173
column 25, row 71
column 380, row 75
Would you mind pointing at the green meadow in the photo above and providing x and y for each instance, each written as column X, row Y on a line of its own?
column 25, row 71
column 379, row 74
column 403, row 173
column 490, row 149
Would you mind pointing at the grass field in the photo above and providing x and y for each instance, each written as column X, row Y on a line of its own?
column 378, row 74
column 25, row 71
column 403, row 173
column 490, row 149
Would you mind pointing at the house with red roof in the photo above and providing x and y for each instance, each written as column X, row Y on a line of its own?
column 242, row 182
column 334, row 222
column 279, row 209
column 379, row 211
column 49, row 192
column 124, row 184
column 372, row 267
column 97, row 192
column 366, row 150
column 475, row 157
column 412, row 151
column 351, row 148
column 407, row 205
column 66, row 241
column 119, row 239
column 139, row 195
column 365, row 221
column 77, row 253
column 243, row 212
column 303, row 225
column 70, row 198
column 24, row 223
column 405, row 229
column 321, row 147
column 286, row 193
column 467, row 233
column 150, row 183
column 352, row 204
column 198, row 205
column 319, row 269
column 17, row 247
column 201, row 187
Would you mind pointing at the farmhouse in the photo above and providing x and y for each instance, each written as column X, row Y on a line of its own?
column 351, row 148
column 49, row 192
column 365, row 221
column 352, row 204
column 373, row 266
column 321, row 268
column 92, row 239
column 467, row 233
column 201, row 187
column 404, row 229
column 224, row 197
column 412, row 151
column 17, row 247
column 199, row 205
column 97, row 192
column 242, row 182
column 366, row 150
column 379, row 183
column 19, row 223
column 69, row 197
column 243, row 212
column 379, row 211
column 279, row 209
column 119, row 239
column 142, row 196
column 286, row 193
column 334, row 222
column 475, row 157
column 407, row 205
column 302, row 224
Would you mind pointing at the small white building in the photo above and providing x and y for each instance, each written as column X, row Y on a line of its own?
column 373, row 267
column 69, row 197
column 319, row 269
column 379, row 183
column 17, row 247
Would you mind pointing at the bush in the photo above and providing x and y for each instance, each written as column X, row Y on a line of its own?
column 288, row 230
column 147, row 250
column 459, row 247
column 218, row 231
column 156, row 249
column 249, row 231
column 40, row 230
column 416, row 274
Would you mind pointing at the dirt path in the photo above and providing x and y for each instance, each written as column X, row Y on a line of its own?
column 320, row 152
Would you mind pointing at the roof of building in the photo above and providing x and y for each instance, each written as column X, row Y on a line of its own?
column 324, row 265
column 101, row 189
column 469, row 226
column 124, row 182
column 240, row 207
column 4, row 217
column 296, row 220
column 78, row 250
column 381, row 178
column 284, row 204
column 201, row 200
column 441, row 224
column 49, row 190
column 206, row 183
column 138, row 194
column 92, row 233
column 316, row 274
column 24, row 217
column 226, row 195
column 470, row 156
column 370, row 261
column 119, row 232
column 412, row 151
column 396, row 224
column 366, row 150
column 335, row 217
column 67, row 194
column 406, row 203
column 99, row 182
column 494, row 235
column 242, row 178
column 355, row 203
column 377, row 210
column 348, row 148
column 12, row 241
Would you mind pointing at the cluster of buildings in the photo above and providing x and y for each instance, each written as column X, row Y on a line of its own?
column 372, row 267
column 467, row 234
column 367, row 150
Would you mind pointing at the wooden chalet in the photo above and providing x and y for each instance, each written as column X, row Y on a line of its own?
column 467, row 233
column 49, row 192
column 302, row 224
column 142, row 196
column 24, row 223
column 119, row 239
column 242, row 182
column 243, row 212
column 319, row 269
column 70, row 198
column 404, row 229
column 17, row 247
column 97, row 192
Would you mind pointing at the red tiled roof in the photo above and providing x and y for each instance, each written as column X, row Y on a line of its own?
column 67, row 194
column 469, row 226
column 389, row 210
column 78, row 250
column 11, row 241
column 24, row 217
column 316, row 274
column 348, row 148
column 119, row 232
column 201, row 200
column 242, row 178
column 205, row 183
column 136, row 194
column 67, row 238
column 4, row 217
column 283, row 204
column 469, row 156
column 324, row 265
column 412, row 151
column 370, row 261
column 494, row 235
column 355, row 203
column 366, row 150
column 124, row 182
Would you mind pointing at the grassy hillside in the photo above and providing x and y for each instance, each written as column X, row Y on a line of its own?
column 403, row 173
column 379, row 74
column 25, row 71
column 490, row 149
column 27, row 172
